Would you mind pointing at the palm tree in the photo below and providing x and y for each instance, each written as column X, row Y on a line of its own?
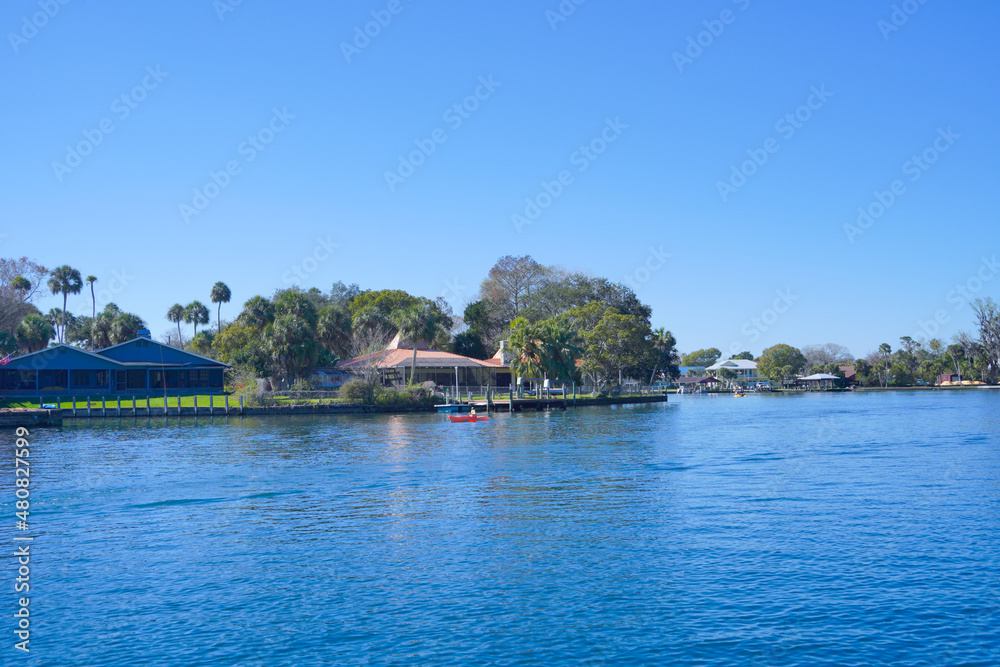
column 93, row 299
column 196, row 313
column 664, row 344
column 66, row 280
column 526, row 346
column 220, row 295
column 176, row 315
column 125, row 327
column 561, row 347
column 101, row 329
column 34, row 333
column 418, row 323
column 258, row 312
column 22, row 285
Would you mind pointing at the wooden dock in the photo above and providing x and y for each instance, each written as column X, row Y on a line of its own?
column 546, row 404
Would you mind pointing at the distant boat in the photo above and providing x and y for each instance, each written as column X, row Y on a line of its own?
column 452, row 407
column 455, row 419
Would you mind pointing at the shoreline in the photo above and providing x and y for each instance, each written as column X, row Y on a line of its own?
column 41, row 417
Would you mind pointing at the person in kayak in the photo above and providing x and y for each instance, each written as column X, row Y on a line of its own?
column 472, row 410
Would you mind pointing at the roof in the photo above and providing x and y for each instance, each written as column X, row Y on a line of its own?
column 43, row 359
column 734, row 364
column 819, row 376
column 394, row 358
column 173, row 354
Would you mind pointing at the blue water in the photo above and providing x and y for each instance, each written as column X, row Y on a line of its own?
column 813, row 530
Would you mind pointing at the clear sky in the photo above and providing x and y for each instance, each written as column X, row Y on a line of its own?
column 310, row 115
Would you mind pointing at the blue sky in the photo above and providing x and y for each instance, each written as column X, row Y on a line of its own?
column 764, row 261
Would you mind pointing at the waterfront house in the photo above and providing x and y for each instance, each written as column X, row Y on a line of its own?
column 394, row 365
column 745, row 369
column 139, row 367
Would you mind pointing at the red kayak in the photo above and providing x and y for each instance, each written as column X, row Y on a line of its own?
column 467, row 418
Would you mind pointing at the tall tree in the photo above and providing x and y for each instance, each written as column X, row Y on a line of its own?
column 220, row 295
column 780, row 362
column 176, row 315
column 562, row 345
column 525, row 344
column 885, row 362
column 196, row 313
column 988, row 319
column 510, row 285
column 125, row 327
column 666, row 359
column 258, row 312
column 334, row 330
column 20, row 281
column 824, row 355
column 292, row 342
column 705, row 357
column 65, row 280
column 22, row 287
column 417, row 323
column 93, row 298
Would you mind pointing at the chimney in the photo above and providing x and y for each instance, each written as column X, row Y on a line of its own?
column 143, row 333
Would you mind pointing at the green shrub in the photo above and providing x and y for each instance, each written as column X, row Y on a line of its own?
column 359, row 391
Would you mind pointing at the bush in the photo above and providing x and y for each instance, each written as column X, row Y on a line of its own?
column 359, row 391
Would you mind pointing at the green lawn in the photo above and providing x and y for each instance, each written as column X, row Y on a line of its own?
column 111, row 402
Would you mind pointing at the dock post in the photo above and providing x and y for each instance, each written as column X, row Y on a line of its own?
column 104, row 407
column 119, row 399
column 241, row 406
column 211, row 404
column 90, row 410
column 148, row 410
column 227, row 404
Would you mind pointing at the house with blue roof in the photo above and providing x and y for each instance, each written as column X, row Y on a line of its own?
column 139, row 367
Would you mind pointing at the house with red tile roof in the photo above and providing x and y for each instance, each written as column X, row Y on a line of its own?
column 395, row 366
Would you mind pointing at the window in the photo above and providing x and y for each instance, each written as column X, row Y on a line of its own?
column 87, row 379
column 53, row 380
column 16, row 380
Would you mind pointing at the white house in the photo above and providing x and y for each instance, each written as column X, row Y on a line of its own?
column 745, row 369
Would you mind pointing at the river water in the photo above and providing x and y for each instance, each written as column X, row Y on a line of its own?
column 849, row 529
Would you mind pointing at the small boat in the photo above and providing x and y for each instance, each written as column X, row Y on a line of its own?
column 452, row 407
column 467, row 418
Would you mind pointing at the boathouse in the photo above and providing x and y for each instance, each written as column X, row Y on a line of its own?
column 139, row 367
